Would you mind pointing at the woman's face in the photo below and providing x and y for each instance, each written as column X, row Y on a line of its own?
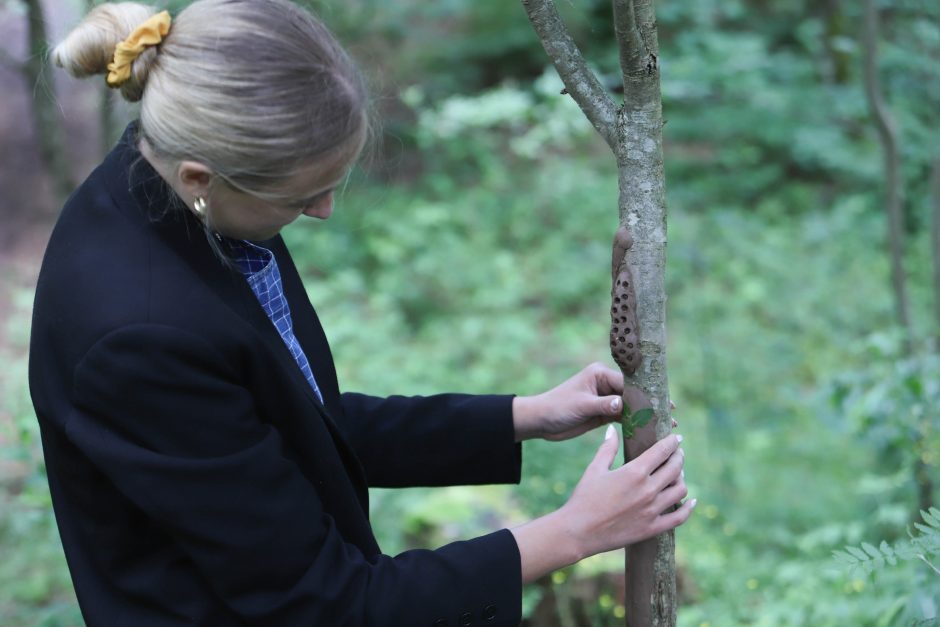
column 240, row 215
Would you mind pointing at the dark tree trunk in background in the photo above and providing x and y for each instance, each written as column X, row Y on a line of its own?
column 840, row 58
column 46, row 114
column 634, row 133
column 888, row 135
column 935, row 238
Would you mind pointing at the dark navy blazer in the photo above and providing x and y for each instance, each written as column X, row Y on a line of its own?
column 195, row 476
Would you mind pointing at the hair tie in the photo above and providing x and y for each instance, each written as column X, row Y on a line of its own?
column 150, row 33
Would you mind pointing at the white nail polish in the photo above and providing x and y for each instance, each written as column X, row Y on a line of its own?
column 610, row 432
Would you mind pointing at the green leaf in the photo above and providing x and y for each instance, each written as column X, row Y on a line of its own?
column 844, row 558
column 877, row 559
column 888, row 552
column 930, row 518
column 642, row 417
column 857, row 552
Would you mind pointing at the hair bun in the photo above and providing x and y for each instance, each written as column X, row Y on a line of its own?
column 89, row 47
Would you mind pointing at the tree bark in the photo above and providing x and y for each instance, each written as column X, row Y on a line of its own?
column 650, row 565
column 888, row 136
column 46, row 113
column 634, row 133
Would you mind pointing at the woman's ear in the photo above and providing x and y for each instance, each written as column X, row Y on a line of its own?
column 195, row 178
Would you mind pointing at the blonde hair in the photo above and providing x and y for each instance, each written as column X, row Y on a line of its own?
column 253, row 89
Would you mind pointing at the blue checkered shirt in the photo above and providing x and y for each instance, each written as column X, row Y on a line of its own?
column 260, row 269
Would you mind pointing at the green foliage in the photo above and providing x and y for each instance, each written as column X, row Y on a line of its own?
column 922, row 546
column 631, row 421
column 483, row 266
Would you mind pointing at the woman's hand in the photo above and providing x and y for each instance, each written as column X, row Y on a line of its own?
column 609, row 509
column 587, row 400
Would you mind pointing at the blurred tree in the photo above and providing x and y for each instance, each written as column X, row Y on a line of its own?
column 46, row 114
column 634, row 133
column 894, row 206
column 894, row 202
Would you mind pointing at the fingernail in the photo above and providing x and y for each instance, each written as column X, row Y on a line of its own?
column 615, row 404
column 610, row 432
column 678, row 438
column 694, row 503
column 682, row 474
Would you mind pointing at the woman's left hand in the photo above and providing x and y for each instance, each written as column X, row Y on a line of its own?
column 586, row 401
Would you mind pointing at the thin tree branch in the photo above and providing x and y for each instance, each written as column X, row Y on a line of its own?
column 632, row 51
column 580, row 82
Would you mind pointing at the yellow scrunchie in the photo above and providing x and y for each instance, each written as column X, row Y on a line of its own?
column 150, row 33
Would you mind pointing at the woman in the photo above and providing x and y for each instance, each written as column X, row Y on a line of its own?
column 205, row 468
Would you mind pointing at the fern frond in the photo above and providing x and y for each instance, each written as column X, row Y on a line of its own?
column 869, row 558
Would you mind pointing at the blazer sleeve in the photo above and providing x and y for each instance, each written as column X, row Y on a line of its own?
column 446, row 439
column 161, row 414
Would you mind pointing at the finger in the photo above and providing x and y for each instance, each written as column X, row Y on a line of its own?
column 608, row 380
column 654, row 456
column 666, row 500
column 607, row 452
column 670, row 471
column 672, row 520
column 609, row 406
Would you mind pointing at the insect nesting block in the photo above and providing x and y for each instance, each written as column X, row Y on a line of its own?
column 624, row 335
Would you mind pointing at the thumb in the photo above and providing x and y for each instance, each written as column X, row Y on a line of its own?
column 609, row 406
column 607, row 452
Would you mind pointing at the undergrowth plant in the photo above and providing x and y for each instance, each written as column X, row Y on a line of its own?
column 922, row 546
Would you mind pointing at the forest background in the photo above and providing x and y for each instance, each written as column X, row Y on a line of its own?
column 477, row 235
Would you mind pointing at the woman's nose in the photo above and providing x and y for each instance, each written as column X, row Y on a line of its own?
column 321, row 208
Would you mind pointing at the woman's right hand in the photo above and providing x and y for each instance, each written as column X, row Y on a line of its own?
column 610, row 509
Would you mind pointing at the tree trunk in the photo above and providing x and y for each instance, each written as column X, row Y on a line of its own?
column 935, row 238
column 48, row 124
column 839, row 70
column 888, row 135
column 650, row 565
column 634, row 133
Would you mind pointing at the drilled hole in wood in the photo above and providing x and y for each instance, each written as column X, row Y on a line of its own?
column 622, row 351
column 617, row 299
column 628, row 345
column 626, row 330
column 629, row 357
column 623, row 339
